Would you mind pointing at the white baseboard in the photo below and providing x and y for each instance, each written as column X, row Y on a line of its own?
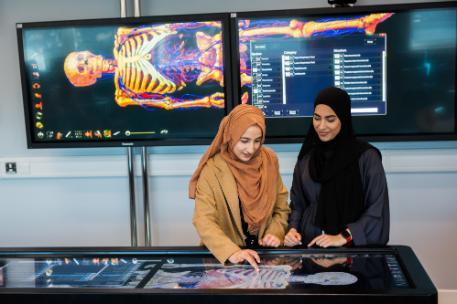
column 447, row 296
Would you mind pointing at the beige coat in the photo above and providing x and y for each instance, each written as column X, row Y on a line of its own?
column 217, row 214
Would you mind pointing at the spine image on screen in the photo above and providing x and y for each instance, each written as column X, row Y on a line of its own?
column 154, row 65
column 285, row 62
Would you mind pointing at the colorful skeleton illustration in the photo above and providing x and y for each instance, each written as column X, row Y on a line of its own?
column 228, row 277
column 153, row 66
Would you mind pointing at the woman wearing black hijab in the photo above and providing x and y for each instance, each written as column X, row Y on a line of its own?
column 339, row 190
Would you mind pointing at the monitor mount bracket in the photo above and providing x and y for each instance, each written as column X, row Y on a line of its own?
column 341, row 3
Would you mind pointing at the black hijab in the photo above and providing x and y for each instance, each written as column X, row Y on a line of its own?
column 335, row 165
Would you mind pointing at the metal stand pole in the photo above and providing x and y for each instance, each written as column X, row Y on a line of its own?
column 131, row 171
column 145, row 166
column 147, row 218
column 136, row 8
column 123, row 8
column 130, row 161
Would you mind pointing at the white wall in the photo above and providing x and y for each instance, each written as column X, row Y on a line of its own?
column 79, row 197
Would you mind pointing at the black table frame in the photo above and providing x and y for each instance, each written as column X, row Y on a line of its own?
column 421, row 291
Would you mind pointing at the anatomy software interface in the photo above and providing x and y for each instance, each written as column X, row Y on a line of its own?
column 286, row 73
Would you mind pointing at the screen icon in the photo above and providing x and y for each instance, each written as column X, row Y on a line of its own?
column 49, row 134
column 107, row 133
column 40, row 135
column 79, row 134
column 88, row 134
column 69, row 134
column 98, row 134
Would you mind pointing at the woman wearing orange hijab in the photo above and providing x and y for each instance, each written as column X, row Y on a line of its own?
column 240, row 199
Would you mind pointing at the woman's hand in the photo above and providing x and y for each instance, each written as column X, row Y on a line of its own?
column 328, row 240
column 248, row 255
column 293, row 238
column 270, row 240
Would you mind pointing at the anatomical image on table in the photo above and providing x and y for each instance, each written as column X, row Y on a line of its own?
column 352, row 272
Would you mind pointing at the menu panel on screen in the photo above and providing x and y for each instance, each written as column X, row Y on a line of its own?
column 156, row 80
column 397, row 63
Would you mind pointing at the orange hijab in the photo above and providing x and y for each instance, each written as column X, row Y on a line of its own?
column 256, row 179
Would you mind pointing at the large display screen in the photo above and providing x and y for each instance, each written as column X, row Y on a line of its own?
column 398, row 64
column 336, row 272
column 157, row 80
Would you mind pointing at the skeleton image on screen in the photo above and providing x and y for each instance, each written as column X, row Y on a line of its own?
column 158, row 66
column 217, row 276
column 274, row 274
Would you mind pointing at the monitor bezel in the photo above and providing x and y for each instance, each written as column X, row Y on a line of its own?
column 334, row 11
column 32, row 143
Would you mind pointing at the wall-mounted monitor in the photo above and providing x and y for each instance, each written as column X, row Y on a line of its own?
column 161, row 80
column 397, row 62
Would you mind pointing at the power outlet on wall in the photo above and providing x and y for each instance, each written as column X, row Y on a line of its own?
column 11, row 167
